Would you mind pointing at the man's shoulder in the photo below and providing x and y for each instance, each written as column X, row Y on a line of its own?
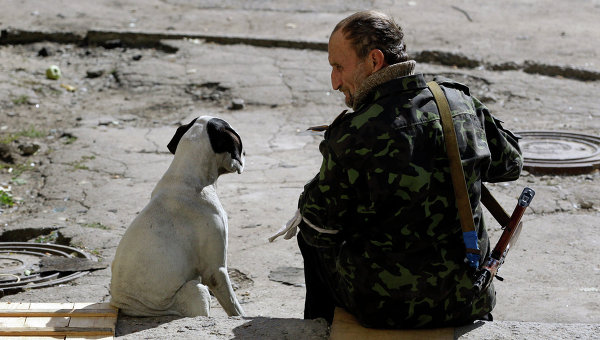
column 399, row 98
column 452, row 84
column 407, row 84
column 354, row 122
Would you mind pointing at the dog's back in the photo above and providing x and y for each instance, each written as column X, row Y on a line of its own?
column 172, row 241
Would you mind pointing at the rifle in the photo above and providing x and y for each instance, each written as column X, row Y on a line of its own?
column 509, row 236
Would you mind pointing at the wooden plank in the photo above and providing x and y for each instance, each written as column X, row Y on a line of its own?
column 14, row 305
column 100, row 322
column 61, row 309
column 104, row 322
column 48, row 321
column 58, row 320
column 94, row 305
column 55, row 331
column 346, row 327
column 50, row 305
column 36, row 338
column 108, row 323
column 45, row 322
column 69, row 264
column 13, row 322
column 59, row 312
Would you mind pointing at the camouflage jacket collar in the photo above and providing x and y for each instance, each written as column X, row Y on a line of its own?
column 380, row 77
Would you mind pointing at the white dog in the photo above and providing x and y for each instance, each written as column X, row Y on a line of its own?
column 177, row 246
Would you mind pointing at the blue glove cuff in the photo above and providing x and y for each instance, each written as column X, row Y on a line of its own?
column 470, row 239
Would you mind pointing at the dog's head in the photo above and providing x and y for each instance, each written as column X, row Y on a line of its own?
column 223, row 140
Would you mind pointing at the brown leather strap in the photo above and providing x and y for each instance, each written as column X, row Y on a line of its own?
column 456, row 170
column 494, row 207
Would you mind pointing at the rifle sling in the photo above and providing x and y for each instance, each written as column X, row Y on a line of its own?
column 456, row 170
column 494, row 207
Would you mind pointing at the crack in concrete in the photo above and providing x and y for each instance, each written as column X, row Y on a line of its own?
column 98, row 171
column 82, row 202
column 156, row 146
column 285, row 80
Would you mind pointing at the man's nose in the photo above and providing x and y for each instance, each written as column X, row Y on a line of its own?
column 336, row 81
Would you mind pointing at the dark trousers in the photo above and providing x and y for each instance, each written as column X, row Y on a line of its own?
column 323, row 292
column 320, row 299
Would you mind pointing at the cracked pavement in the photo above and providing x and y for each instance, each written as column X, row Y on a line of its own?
column 103, row 146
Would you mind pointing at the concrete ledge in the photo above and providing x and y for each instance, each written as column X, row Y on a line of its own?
column 255, row 328
column 144, row 39
column 513, row 330
column 148, row 39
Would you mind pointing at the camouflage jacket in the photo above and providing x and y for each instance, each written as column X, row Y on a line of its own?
column 383, row 204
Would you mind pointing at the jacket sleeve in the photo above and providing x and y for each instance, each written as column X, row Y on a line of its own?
column 506, row 159
column 328, row 204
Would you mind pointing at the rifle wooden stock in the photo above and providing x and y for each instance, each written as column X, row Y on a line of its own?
column 509, row 236
column 510, row 233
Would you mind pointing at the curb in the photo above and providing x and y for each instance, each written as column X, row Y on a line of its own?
column 113, row 39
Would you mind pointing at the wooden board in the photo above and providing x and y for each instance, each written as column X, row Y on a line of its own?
column 57, row 320
column 68, row 264
column 346, row 327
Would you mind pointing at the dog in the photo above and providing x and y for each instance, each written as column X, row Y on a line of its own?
column 175, row 250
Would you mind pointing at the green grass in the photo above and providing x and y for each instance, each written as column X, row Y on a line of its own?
column 18, row 181
column 8, row 138
column 70, row 140
column 50, row 238
column 17, row 169
column 79, row 165
column 20, row 100
column 6, row 199
column 96, row 252
column 31, row 132
column 96, row 225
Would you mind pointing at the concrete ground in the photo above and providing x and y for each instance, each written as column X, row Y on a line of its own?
column 161, row 63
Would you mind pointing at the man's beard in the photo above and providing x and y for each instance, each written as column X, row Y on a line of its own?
column 359, row 78
column 349, row 100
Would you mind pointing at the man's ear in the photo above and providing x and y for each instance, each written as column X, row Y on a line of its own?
column 376, row 60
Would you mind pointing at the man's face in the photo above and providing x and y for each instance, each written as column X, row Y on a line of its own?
column 348, row 70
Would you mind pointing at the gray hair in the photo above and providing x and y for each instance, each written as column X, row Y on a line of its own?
column 370, row 30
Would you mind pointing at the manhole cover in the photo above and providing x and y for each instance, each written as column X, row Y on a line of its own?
column 554, row 152
column 19, row 265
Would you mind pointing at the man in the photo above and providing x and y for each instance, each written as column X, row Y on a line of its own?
column 379, row 228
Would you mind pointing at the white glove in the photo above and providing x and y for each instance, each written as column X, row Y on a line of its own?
column 289, row 229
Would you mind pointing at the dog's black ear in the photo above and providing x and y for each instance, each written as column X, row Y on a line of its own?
column 172, row 146
column 224, row 139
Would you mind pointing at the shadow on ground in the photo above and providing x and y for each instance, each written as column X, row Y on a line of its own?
column 127, row 325
column 279, row 328
column 247, row 328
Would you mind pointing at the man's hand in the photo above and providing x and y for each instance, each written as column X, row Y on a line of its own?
column 289, row 229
